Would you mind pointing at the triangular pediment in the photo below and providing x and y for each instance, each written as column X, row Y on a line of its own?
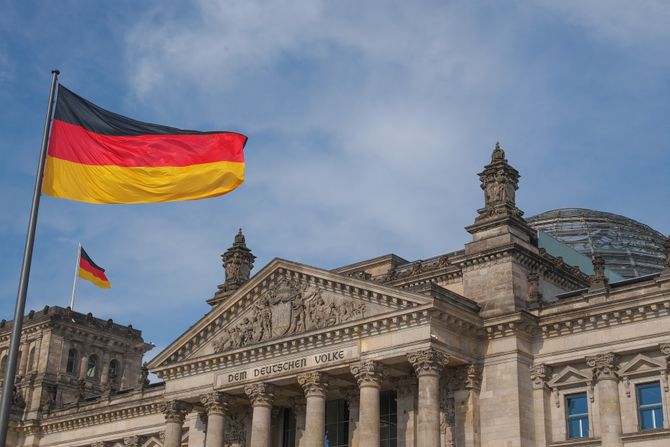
column 641, row 364
column 285, row 300
column 568, row 376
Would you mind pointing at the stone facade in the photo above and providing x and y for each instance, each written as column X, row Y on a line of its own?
column 498, row 344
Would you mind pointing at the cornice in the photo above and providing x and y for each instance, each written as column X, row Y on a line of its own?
column 378, row 324
column 519, row 323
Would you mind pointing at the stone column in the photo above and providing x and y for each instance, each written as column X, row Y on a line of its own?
column 298, row 404
column 369, row 375
column 352, row 396
column 428, row 365
column 175, row 411
column 262, row 395
column 315, row 386
column 25, row 353
column 83, row 365
column 216, row 405
column 473, row 384
column 607, row 382
column 540, row 375
column 406, row 395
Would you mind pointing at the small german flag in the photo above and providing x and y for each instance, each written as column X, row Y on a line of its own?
column 91, row 271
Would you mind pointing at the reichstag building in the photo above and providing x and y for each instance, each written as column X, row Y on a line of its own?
column 546, row 331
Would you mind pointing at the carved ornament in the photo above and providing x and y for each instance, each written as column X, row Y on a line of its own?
column 368, row 373
column 427, row 362
column 540, row 375
column 473, row 377
column 215, row 403
column 604, row 366
column 260, row 394
column 133, row 441
column 175, row 410
column 314, row 384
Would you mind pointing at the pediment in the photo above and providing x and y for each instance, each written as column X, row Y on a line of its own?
column 641, row 364
column 568, row 376
column 284, row 300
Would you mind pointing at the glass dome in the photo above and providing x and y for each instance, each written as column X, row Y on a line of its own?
column 630, row 248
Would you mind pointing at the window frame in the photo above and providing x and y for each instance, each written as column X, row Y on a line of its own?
column 655, row 406
column 578, row 416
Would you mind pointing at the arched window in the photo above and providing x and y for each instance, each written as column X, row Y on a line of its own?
column 31, row 359
column 92, row 368
column 71, row 361
column 114, row 369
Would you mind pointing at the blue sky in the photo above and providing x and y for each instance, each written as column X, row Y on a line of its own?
column 367, row 124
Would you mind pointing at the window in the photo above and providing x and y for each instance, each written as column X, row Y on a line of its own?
column 337, row 423
column 92, row 368
column 577, row 410
column 31, row 360
column 650, row 406
column 113, row 369
column 388, row 419
column 288, row 436
column 71, row 361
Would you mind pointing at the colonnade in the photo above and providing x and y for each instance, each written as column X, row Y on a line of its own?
column 369, row 375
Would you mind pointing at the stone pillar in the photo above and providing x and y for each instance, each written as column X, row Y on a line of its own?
column 315, row 386
column 83, row 365
column 23, row 363
column 299, row 404
column 353, row 396
column 175, row 411
column 369, row 375
column 607, row 384
column 262, row 395
column 540, row 375
column 406, row 395
column 473, row 383
column 428, row 365
column 216, row 405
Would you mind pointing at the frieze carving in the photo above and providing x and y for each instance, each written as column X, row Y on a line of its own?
column 261, row 394
column 427, row 362
column 473, row 377
column 175, row 410
column 540, row 375
column 604, row 366
column 133, row 441
column 215, row 403
column 314, row 384
column 368, row 373
column 286, row 308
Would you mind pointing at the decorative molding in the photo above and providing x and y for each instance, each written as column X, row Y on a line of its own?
column 427, row 362
column 260, row 394
column 603, row 366
column 368, row 373
column 314, row 384
column 133, row 441
column 216, row 403
column 473, row 377
column 540, row 375
column 175, row 410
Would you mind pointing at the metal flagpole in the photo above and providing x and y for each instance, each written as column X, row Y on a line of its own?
column 8, row 383
column 76, row 274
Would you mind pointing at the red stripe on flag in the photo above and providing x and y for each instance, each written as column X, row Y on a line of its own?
column 75, row 144
column 84, row 264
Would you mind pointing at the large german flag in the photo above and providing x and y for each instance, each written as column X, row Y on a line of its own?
column 98, row 156
column 91, row 271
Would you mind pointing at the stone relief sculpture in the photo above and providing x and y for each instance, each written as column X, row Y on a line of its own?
column 288, row 308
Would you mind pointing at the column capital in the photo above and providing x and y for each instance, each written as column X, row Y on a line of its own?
column 314, row 384
column 175, row 410
column 604, row 366
column 260, row 394
column 368, row 373
column 539, row 375
column 427, row 362
column 215, row 403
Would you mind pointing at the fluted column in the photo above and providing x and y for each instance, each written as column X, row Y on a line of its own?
column 369, row 375
column 607, row 382
column 175, row 411
column 540, row 375
column 428, row 365
column 315, row 386
column 216, row 405
column 262, row 396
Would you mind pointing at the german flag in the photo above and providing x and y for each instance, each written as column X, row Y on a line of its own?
column 89, row 270
column 98, row 156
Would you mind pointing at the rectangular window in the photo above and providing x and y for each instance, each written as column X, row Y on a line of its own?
column 288, row 436
column 649, row 405
column 337, row 424
column 388, row 419
column 577, row 414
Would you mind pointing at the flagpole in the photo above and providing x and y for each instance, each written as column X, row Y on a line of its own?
column 8, row 383
column 76, row 274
